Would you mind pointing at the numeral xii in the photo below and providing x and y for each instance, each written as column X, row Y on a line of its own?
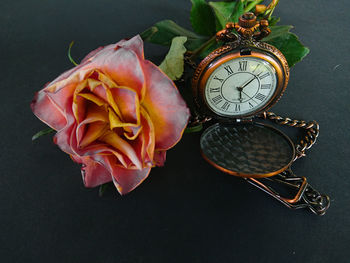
column 243, row 65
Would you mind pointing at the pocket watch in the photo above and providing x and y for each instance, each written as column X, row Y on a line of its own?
column 236, row 84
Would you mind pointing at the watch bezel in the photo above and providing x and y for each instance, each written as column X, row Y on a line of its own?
column 227, row 53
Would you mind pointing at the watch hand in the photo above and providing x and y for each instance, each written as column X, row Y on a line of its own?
column 248, row 82
column 240, row 93
column 249, row 97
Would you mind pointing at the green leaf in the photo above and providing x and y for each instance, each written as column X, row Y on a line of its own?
column 277, row 31
column 273, row 20
column 202, row 18
column 227, row 12
column 250, row 7
column 289, row 44
column 196, row 128
column 148, row 33
column 238, row 11
column 164, row 31
column 42, row 132
column 69, row 55
column 173, row 64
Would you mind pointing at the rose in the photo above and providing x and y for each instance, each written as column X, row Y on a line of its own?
column 115, row 113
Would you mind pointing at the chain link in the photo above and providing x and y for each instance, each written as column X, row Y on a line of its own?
column 312, row 130
column 189, row 61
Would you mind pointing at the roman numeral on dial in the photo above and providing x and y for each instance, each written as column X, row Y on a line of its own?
column 264, row 75
column 266, row 86
column 257, row 66
column 251, row 105
column 214, row 90
column 229, row 70
column 225, row 106
column 217, row 99
column 219, row 79
column 260, row 96
column 243, row 65
column 238, row 107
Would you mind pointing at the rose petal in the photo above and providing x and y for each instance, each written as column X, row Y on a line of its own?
column 94, row 150
column 159, row 157
column 125, row 180
column 63, row 139
column 94, row 174
column 47, row 111
column 90, row 55
column 135, row 44
column 123, row 146
column 128, row 103
column 123, row 66
column 93, row 132
column 94, row 114
column 165, row 106
column 144, row 143
column 70, row 78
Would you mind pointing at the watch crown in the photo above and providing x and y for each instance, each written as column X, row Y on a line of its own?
column 247, row 20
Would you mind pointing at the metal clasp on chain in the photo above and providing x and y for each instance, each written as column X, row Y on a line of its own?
column 306, row 196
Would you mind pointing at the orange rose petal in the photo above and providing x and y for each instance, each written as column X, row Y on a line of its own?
column 47, row 111
column 131, row 133
column 125, row 180
column 93, row 132
column 92, row 98
column 149, row 137
column 144, row 143
column 128, row 103
column 97, row 149
column 165, row 106
column 70, row 78
column 79, row 107
column 93, row 173
column 93, row 83
column 94, row 114
column 114, row 120
column 102, row 91
column 123, row 66
column 103, row 78
column 123, row 146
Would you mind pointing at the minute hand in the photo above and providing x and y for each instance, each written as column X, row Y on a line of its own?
column 248, row 82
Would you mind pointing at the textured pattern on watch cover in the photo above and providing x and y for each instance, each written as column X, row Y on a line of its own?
column 247, row 148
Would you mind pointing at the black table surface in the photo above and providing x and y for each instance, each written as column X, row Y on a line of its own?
column 186, row 211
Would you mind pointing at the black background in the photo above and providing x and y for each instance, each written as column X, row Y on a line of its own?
column 186, row 211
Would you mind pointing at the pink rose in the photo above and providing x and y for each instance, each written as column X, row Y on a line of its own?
column 115, row 113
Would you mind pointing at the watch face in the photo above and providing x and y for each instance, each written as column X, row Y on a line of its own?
column 240, row 87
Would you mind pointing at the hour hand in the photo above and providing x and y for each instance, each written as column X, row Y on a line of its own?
column 240, row 89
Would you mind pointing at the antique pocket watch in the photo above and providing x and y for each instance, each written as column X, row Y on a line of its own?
column 237, row 83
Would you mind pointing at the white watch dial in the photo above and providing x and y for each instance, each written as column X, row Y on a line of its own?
column 240, row 86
